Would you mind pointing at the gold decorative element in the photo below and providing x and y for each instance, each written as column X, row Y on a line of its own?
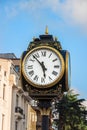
column 67, row 71
column 55, row 44
column 46, row 31
column 45, row 111
column 49, row 94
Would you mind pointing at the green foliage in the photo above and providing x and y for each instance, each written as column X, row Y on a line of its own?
column 71, row 112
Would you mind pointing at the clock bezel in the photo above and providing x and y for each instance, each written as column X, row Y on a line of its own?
column 46, row 85
column 67, row 71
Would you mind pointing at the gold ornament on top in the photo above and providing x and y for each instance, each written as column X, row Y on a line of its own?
column 46, row 31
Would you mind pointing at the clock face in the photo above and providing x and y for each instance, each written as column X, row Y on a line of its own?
column 43, row 67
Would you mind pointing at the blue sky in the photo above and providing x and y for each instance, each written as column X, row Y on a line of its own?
column 21, row 20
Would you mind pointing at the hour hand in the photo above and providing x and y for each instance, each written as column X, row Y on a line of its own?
column 44, row 69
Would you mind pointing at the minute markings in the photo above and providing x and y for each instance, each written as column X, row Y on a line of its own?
column 50, row 55
column 50, row 78
column 54, row 60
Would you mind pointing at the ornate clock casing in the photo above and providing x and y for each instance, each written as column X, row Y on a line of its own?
column 45, row 68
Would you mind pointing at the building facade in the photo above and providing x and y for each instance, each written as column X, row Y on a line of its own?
column 15, row 111
column 5, row 94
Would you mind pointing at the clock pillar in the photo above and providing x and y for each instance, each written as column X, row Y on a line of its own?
column 45, row 110
column 45, row 73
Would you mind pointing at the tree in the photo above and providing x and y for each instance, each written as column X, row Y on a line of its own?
column 71, row 112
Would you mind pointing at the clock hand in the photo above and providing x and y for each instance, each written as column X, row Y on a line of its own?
column 42, row 65
column 37, row 60
column 44, row 68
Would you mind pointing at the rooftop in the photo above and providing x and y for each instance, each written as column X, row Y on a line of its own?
column 8, row 55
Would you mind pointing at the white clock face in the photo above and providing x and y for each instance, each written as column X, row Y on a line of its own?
column 43, row 67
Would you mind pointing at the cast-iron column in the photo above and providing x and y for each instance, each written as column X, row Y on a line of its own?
column 45, row 112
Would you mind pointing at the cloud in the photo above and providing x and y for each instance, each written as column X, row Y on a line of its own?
column 71, row 11
column 75, row 11
column 11, row 12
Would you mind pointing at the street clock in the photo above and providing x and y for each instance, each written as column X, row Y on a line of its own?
column 45, row 68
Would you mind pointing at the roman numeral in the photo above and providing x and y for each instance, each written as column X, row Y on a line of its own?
column 54, row 60
column 37, row 55
column 36, row 77
column 31, row 73
column 42, row 80
column 56, row 66
column 30, row 67
column 55, row 73
column 43, row 53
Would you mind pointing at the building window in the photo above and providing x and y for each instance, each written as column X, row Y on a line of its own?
column 17, row 100
column 16, row 125
column 3, row 121
column 17, row 67
column 5, row 73
column 4, row 91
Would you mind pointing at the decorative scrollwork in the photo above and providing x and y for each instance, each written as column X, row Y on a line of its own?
column 37, row 42
column 51, row 93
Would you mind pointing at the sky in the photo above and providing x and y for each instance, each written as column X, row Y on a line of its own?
column 21, row 20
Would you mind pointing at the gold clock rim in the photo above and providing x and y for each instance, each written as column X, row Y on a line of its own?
column 66, row 71
column 62, row 69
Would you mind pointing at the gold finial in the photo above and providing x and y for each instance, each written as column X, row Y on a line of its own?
column 46, row 31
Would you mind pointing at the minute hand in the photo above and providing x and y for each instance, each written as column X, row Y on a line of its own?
column 42, row 65
column 37, row 60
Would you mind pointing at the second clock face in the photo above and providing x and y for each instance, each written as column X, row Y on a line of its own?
column 43, row 67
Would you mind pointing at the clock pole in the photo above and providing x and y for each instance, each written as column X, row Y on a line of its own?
column 45, row 110
column 45, row 73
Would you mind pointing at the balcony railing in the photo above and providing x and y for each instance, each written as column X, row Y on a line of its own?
column 19, row 110
column 19, row 113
